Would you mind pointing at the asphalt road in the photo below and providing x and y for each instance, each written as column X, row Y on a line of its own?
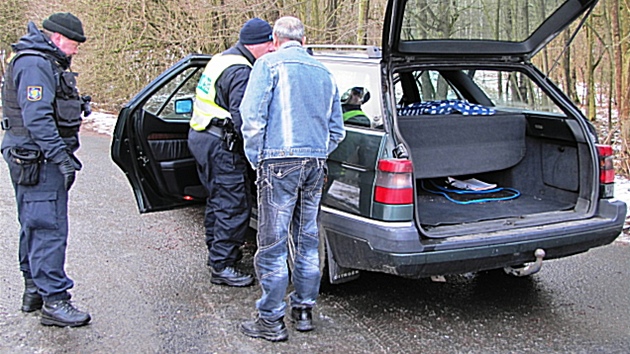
column 144, row 280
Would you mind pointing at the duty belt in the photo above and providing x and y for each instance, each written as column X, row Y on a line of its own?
column 215, row 130
column 217, row 126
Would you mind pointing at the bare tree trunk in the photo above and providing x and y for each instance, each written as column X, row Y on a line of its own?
column 590, row 73
column 362, row 25
column 610, row 93
column 497, row 30
column 332, row 21
column 428, row 91
column 621, row 85
column 569, row 83
column 545, row 51
column 616, row 43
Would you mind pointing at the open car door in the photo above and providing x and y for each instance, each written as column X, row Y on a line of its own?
column 150, row 141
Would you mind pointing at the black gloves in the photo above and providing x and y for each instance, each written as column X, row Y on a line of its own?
column 67, row 169
column 86, row 106
column 68, row 166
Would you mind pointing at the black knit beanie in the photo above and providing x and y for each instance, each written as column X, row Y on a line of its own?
column 255, row 31
column 66, row 24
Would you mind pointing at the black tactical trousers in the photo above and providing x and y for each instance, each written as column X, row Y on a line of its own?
column 43, row 215
column 228, row 206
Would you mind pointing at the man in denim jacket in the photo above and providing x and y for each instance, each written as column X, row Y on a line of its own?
column 292, row 121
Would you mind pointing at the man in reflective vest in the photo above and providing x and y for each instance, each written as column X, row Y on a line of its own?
column 351, row 102
column 215, row 142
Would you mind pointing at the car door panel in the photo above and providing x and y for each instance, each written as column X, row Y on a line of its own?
column 150, row 140
column 352, row 171
column 175, row 168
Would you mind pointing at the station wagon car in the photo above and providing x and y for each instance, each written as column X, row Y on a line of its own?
column 473, row 159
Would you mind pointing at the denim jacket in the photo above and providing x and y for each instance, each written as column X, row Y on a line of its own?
column 291, row 107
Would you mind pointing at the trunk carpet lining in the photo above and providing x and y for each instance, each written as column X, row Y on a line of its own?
column 435, row 210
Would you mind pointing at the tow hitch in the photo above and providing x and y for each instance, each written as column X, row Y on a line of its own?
column 531, row 268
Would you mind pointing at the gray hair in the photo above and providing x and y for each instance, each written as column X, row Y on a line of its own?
column 289, row 28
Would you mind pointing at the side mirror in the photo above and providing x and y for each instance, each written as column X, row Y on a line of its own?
column 184, row 106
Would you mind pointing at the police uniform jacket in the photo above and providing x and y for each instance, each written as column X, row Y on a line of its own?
column 231, row 84
column 35, row 82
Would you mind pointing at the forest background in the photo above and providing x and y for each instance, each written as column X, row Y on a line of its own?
column 131, row 41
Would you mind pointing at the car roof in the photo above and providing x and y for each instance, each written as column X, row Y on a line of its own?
column 515, row 29
column 363, row 53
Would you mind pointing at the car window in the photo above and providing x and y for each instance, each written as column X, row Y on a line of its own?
column 513, row 90
column 507, row 90
column 505, row 20
column 422, row 86
column 365, row 76
column 162, row 102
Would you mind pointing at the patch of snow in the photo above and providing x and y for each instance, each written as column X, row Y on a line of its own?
column 100, row 122
column 622, row 192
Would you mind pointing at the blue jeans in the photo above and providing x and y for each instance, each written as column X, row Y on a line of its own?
column 289, row 194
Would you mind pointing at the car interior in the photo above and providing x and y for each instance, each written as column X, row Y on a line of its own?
column 534, row 152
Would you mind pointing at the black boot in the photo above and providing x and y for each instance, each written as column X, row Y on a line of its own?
column 31, row 300
column 231, row 276
column 61, row 313
column 274, row 331
column 303, row 319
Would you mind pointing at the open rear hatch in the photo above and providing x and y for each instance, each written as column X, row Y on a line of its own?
column 515, row 29
column 539, row 164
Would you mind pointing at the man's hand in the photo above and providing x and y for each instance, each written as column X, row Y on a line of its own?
column 67, row 169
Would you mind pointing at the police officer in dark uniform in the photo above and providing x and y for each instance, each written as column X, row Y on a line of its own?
column 214, row 140
column 41, row 117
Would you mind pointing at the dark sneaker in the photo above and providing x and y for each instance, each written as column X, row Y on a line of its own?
column 273, row 331
column 231, row 276
column 303, row 319
column 61, row 313
column 31, row 300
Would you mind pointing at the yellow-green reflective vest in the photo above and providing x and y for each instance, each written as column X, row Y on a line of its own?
column 352, row 114
column 205, row 107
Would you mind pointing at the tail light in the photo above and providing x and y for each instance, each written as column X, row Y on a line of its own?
column 606, row 171
column 394, row 182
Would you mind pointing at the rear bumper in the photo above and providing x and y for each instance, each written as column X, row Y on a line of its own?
column 396, row 248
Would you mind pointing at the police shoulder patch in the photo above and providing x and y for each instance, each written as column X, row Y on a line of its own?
column 34, row 93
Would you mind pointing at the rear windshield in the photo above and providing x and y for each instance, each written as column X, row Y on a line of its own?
column 365, row 78
column 502, row 20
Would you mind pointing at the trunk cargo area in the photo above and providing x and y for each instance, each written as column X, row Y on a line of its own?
column 538, row 157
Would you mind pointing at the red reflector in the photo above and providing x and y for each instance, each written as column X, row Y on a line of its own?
column 604, row 150
column 393, row 196
column 606, row 167
column 189, row 198
column 395, row 166
column 607, row 176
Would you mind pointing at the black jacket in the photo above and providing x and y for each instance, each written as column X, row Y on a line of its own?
column 231, row 84
column 35, row 80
